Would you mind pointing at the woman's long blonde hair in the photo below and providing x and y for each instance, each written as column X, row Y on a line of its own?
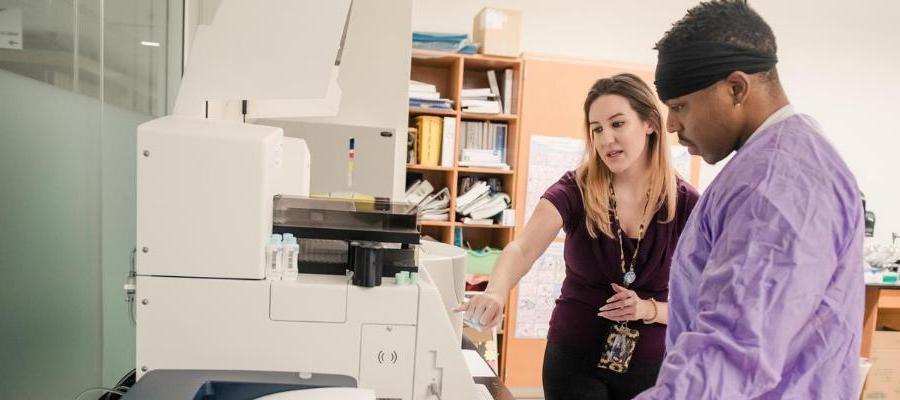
column 594, row 177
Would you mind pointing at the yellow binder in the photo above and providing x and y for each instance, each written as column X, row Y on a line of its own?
column 429, row 139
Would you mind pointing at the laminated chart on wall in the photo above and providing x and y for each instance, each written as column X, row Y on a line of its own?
column 538, row 291
column 549, row 159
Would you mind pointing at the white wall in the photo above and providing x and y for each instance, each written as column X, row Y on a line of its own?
column 838, row 63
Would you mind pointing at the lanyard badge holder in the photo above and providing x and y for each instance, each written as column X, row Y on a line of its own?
column 622, row 340
column 619, row 347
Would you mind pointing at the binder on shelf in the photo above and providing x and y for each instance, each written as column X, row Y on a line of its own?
column 436, row 207
column 494, row 206
column 439, row 201
column 418, row 191
column 507, row 91
column 500, row 132
column 492, row 81
column 481, row 200
column 429, row 128
column 449, row 135
column 473, row 193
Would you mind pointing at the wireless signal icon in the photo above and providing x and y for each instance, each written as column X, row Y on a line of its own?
column 385, row 358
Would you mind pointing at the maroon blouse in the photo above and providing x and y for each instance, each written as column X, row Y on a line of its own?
column 592, row 265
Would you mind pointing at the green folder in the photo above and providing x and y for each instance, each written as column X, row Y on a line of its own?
column 481, row 262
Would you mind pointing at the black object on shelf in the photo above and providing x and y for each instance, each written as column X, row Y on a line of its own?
column 367, row 263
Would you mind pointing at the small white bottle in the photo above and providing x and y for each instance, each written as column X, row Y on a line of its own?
column 291, row 254
column 274, row 261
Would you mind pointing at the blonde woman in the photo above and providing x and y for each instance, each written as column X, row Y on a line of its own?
column 623, row 210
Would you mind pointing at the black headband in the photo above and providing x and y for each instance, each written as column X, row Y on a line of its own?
column 698, row 65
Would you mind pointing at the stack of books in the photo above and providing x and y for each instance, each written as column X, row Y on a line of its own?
column 425, row 95
column 495, row 99
column 483, row 144
column 481, row 100
column 448, row 42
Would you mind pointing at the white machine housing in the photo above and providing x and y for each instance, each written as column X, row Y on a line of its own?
column 282, row 56
column 205, row 188
column 205, row 192
column 204, row 195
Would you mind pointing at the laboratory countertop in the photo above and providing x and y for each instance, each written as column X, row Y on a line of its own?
column 895, row 286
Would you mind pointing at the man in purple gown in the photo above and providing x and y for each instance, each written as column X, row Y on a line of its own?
column 766, row 284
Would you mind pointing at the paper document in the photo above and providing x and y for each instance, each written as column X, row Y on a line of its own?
column 477, row 366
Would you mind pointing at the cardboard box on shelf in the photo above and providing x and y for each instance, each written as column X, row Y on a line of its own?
column 498, row 31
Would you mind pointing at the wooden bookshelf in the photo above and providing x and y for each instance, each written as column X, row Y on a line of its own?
column 416, row 167
column 435, row 223
column 489, row 117
column 432, row 111
column 484, row 226
column 451, row 73
column 484, row 171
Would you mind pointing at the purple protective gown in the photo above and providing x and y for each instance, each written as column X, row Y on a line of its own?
column 766, row 284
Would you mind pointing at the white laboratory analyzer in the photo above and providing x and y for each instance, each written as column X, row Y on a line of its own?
column 344, row 301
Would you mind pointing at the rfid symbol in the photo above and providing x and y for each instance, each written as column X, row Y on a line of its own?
column 384, row 359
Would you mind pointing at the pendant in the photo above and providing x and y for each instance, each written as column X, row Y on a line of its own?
column 629, row 278
column 619, row 347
